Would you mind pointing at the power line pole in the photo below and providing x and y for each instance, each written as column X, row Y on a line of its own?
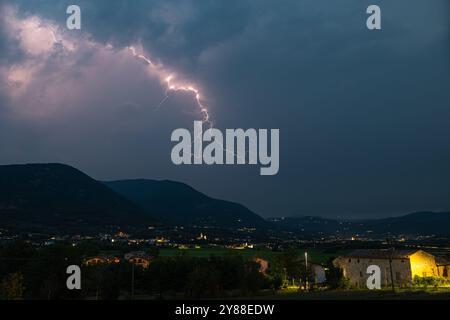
column 390, row 267
column 132, row 280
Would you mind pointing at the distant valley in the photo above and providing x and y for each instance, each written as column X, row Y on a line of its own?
column 60, row 198
column 418, row 223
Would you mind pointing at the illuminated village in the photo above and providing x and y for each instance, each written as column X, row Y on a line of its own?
column 307, row 268
column 344, row 198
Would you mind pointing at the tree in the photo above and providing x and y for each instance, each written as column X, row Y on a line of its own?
column 203, row 281
column 11, row 287
column 275, row 281
column 254, row 280
column 289, row 266
column 335, row 278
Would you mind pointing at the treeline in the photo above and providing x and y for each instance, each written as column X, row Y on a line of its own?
column 37, row 273
column 178, row 277
column 40, row 273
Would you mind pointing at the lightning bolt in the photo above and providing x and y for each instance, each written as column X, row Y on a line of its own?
column 169, row 79
column 173, row 86
column 53, row 36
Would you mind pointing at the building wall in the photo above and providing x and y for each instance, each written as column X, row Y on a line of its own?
column 142, row 262
column 263, row 265
column 94, row 261
column 423, row 265
column 319, row 274
column 355, row 269
column 444, row 271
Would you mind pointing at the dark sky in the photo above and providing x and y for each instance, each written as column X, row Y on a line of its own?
column 363, row 115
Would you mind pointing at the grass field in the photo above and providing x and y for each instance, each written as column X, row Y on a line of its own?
column 411, row 294
column 314, row 255
column 385, row 294
column 318, row 256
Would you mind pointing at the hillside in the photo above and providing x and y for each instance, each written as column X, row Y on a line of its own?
column 59, row 196
column 179, row 203
column 418, row 223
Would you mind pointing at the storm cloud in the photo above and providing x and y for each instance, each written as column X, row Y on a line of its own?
column 362, row 114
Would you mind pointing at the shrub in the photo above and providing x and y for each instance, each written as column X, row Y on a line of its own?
column 11, row 287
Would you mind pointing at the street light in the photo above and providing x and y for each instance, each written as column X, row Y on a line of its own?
column 306, row 270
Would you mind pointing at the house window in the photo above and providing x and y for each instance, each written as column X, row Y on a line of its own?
column 445, row 273
column 361, row 274
column 349, row 260
column 358, row 260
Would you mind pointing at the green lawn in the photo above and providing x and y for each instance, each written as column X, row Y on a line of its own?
column 385, row 294
column 314, row 255
column 412, row 294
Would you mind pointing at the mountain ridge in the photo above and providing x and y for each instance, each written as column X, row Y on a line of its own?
column 180, row 203
column 60, row 196
column 415, row 223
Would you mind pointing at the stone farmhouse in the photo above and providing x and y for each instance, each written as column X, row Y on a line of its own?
column 403, row 265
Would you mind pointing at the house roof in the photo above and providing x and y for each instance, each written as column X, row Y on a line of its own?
column 102, row 256
column 138, row 254
column 441, row 261
column 381, row 254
